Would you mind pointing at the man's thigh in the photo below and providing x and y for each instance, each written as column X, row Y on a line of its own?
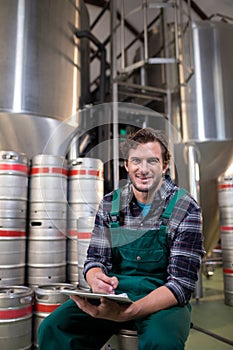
column 165, row 330
column 69, row 328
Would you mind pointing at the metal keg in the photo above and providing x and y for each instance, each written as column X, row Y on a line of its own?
column 85, row 181
column 228, row 275
column 72, row 257
column 227, row 255
column 48, row 233
column 45, row 273
column 127, row 339
column 11, row 208
column 227, row 238
column 225, row 195
column 48, row 224
column 12, row 274
column 13, row 247
column 47, row 299
column 13, row 212
column 15, row 317
column 13, row 176
column 48, row 179
column 48, row 211
column 46, row 252
column 225, row 191
column 46, row 256
column 77, row 210
column 85, row 190
column 226, row 216
column 226, row 228
column 85, row 227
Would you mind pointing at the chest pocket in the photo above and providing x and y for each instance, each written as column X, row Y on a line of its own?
column 144, row 255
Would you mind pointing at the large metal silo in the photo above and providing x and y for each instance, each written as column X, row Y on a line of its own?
column 207, row 100
column 44, row 73
column 207, row 117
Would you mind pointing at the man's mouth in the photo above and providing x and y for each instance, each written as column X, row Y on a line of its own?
column 143, row 179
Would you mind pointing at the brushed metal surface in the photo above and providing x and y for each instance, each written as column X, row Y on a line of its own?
column 214, row 160
column 34, row 135
column 207, row 104
column 40, row 63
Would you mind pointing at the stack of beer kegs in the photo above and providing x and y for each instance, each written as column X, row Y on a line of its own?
column 85, row 190
column 225, row 196
column 47, row 220
column 13, row 217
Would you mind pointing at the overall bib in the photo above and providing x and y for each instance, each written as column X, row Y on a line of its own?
column 140, row 263
column 140, row 260
column 140, row 257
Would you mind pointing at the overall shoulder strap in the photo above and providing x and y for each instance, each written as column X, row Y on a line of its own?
column 115, row 208
column 178, row 194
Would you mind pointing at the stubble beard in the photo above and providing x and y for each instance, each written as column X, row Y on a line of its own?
column 150, row 189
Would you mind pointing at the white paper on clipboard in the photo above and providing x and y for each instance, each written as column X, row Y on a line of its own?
column 120, row 298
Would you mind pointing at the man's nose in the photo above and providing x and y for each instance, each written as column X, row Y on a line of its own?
column 144, row 166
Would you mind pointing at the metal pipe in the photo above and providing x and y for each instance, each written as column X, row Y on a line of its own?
column 145, row 21
column 194, row 172
column 86, row 34
column 114, row 96
column 194, row 188
column 122, row 36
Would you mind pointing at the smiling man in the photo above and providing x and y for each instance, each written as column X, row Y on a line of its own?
column 147, row 242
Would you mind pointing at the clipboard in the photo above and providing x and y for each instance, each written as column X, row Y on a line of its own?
column 120, row 298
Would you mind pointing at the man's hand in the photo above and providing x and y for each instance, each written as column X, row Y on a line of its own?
column 101, row 283
column 107, row 309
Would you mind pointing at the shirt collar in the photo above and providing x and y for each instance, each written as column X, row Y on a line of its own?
column 162, row 194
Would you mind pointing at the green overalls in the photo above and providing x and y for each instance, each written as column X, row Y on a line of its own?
column 141, row 266
column 140, row 257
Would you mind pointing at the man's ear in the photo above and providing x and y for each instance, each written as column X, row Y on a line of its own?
column 126, row 165
column 165, row 167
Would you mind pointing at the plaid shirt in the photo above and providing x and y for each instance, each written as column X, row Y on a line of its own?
column 184, row 230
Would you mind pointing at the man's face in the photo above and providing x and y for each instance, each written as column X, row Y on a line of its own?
column 145, row 167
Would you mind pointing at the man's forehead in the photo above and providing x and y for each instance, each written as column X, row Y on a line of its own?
column 149, row 149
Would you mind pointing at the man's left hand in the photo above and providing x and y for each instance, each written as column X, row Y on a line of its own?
column 107, row 309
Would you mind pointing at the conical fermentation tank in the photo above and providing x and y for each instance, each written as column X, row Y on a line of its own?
column 207, row 117
column 44, row 73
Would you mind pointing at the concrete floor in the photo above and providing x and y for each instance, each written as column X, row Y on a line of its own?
column 211, row 314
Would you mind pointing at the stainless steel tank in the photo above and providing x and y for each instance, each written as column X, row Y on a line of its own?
column 44, row 73
column 207, row 122
column 207, row 99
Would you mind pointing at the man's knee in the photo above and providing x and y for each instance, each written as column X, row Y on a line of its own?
column 159, row 343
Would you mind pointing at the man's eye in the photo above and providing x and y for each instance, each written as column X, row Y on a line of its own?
column 153, row 161
column 136, row 161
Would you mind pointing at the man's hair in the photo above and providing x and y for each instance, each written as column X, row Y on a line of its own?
column 143, row 136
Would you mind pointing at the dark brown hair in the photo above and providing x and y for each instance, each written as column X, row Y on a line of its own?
column 143, row 136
